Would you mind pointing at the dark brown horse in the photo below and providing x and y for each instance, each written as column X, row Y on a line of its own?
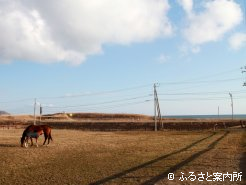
column 34, row 131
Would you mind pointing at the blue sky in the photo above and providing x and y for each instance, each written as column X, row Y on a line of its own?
column 105, row 56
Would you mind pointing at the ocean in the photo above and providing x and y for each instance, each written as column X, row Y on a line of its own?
column 225, row 116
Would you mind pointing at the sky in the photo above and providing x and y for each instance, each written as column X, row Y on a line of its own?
column 106, row 56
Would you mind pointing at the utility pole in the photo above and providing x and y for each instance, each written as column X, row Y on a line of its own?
column 244, row 71
column 157, row 109
column 218, row 112
column 40, row 111
column 231, row 105
column 34, row 111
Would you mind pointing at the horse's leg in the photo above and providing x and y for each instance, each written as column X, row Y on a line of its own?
column 50, row 138
column 45, row 136
column 31, row 141
column 36, row 141
column 26, row 142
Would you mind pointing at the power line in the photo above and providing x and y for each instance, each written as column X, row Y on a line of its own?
column 100, row 103
column 198, row 82
column 128, row 92
column 79, row 95
column 124, row 89
column 200, row 93
column 198, row 99
column 110, row 106
column 19, row 100
column 97, row 93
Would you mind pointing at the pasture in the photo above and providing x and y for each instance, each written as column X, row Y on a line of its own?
column 135, row 157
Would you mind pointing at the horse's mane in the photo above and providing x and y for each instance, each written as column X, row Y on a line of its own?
column 27, row 128
column 35, row 128
column 45, row 126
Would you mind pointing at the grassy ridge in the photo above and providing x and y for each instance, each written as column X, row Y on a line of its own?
column 109, row 116
column 109, row 122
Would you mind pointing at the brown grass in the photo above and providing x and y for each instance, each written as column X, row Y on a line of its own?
column 80, row 157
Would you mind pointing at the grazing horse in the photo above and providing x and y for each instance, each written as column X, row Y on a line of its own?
column 34, row 131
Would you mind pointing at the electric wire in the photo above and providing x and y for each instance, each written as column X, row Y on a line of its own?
column 129, row 99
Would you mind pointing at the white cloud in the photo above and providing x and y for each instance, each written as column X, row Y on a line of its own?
column 238, row 40
column 163, row 59
column 187, row 6
column 195, row 49
column 187, row 49
column 69, row 31
column 217, row 18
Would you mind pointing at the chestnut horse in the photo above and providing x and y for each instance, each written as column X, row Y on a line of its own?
column 34, row 131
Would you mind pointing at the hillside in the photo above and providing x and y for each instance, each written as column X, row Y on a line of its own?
column 107, row 122
column 107, row 116
column 3, row 113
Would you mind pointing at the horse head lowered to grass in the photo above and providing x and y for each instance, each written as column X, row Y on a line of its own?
column 34, row 131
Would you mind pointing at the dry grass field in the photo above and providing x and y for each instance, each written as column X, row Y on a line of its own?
column 83, row 157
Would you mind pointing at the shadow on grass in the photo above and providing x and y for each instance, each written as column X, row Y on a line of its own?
column 243, row 166
column 7, row 145
column 183, row 163
column 243, row 158
column 145, row 165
